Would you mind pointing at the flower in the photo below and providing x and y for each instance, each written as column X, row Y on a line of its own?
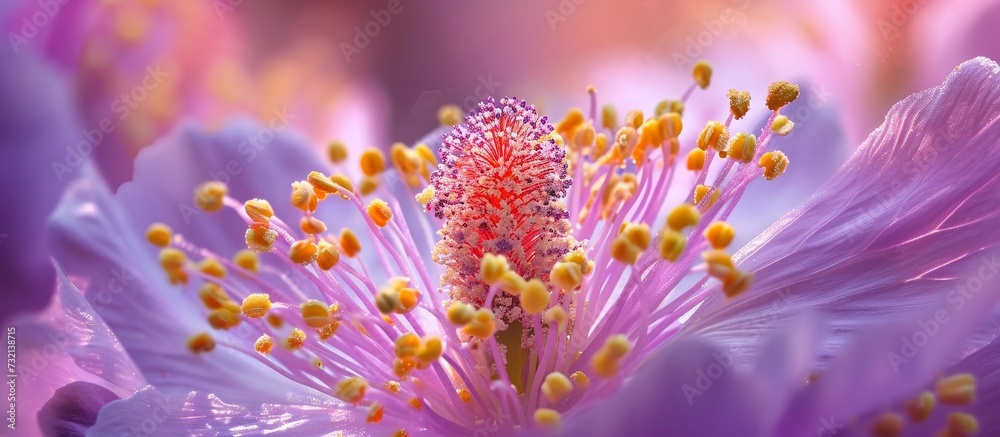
column 559, row 281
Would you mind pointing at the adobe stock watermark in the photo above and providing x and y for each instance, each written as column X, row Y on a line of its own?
column 563, row 10
column 249, row 148
column 31, row 25
column 929, row 327
column 890, row 26
column 122, row 107
column 732, row 20
column 431, row 101
column 365, row 33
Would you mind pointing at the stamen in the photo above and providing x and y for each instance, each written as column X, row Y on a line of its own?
column 375, row 412
column 450, row 115
column 888, row 425
column 223, row 318
column 264, row 344
column 380, row 212
column 556, row 386
column 350, row 245
column 256, row 305
column 702, row 73
column 303, row 251
column 741, row 147
column 609, row 118
column 682, row 216
column 957, row 389
column 960, row 425
column 261, row 240
column 482, row 325
column 212, row 267
column 566, row 275
column 580, row 380
column 210, row 196
column 715, row 135
column 630, row 243
column 672, row 244
column 547, row 418
column 351, row 390
column 774, row 164
column 780, row 94
column 719, row 234
column 315, row 314
column 696, row 160
column 460, row 313
column 259, row 211
column 159, row 234
column 535, row 297
column 606, row 361
column 920, row 408
column 304, row 196
column 407, row 345
column 464, row 395
column 247, row 260
column 201, row 342
column 782, row 125
column 213, row 296
column 312, row 225
column 739, row 102
column 296, row 339
column 429, row 351
column 337, row 152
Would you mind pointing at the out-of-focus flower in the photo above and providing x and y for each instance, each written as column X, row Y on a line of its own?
column 559, row 280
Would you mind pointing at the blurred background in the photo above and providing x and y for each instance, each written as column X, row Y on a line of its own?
column 101, row 79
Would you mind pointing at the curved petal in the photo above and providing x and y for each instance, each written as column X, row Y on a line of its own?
column 73, row 409
column 912, row 208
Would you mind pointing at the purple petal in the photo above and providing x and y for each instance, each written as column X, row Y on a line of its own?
column 73, row 409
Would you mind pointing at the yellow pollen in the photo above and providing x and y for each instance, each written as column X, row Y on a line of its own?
column 633, row 239
column 315, row 314
column 343, row 182
column 460, row 313
column 328, row 330
column 580, row 380
column 401, row 433
column 584, row 136
column 547, row 418
column 304, row 196
column 296, row 339
column 430, row 350
column 714, row 135
column 256, row 305
column 482, row 325
column 367, row 185
column 212, row 295
column 337, row 152
column 406, row 161
column 464, row 395
column 223, row 318
column 780, row 94
column 263, row 345
column 535, row 297
column 274, row 321
column 609, row 117
column 407, row 300
column 386, row 300
column 573, row 119
column 601, row 144
column 351, row 390
column 774, row 164
column 402, row 367
column 375, row 413
column 200, row 342
column 699, row 193
column 682, row 216
column 960, row 425
column 172, row 259
column 303, row 251
column 579, row 257
column 702, row 73
column 210, row 195
column 426, row 154
column 416, row 404
column 261, row 240
column 720, row 234
column 606, row 361
column 633, row 119
column 556, row 386
column 158, row 234
column 372, row 162
column 407, row 345
column 696, row 160
column 957, row 389
column 425, row 195
column 450, row 115
column 921, row 407
column 738, row 282
column 741, row 147
column 393, row 386
column 782, row 125
column 558, row 315
column 566, row 275
column 888, row 425
column 492, row 267
column 248, row 260
column 350, row 245
column 312, row 225
column 320, row 184
column 259, row 211
column 212, row 267
column 327, row 256
column 380, row 212
column 512, row 283
column 672, row 244
column 670, row 125
column 739, row 102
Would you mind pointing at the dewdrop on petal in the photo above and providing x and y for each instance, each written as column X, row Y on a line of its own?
column 209, row 196
column 702, row 73
column 781, row 125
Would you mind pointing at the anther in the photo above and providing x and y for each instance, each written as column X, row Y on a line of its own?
column 719, row 234
column 460, row 313
column 210, row 195
column 556, row 386
column 375, row 412
column 159, row 234
column 701, row 191
column 429, row 351
column 351, row 390
column 535, row 297
column 223, row 318
column 672, row 244
column 579, row 257
column 566, row 275
column 350, row 245
column 343, row 183
column 464, row 395
column 296, row 339
column 312, row 225
column 315, row 314
column 482, row 325
column 633, row 119
column 260, row 240
column 450, row 115
column 774, row 164
column 263, row 345
column 580, row 380
column 960, row 425
column 739, row 102
column 406, row 345
column 386, row 300
column 303, row 251
column 212, row 267
column 606, row 361
column 247, row 260
column 259, row 211
column 714, row 135
column 574, row 118
column 556, row 315
column 256, row 305
column 609, row 117
column 511, row 282
column 702, row 73
column 696, row 160
column 921, row 407
column 380, row 212
column 957, row 389
column 741, row 147
column 372, row 162
column 200, row 342
column 547, row 418
column 782, row 125
column 328, row 330
column 304, row 196
column 492, row 267
column 780, row 94
column 337, row 152
column 172, row 259
column 682, row 216
column 631, row 242
column 213, row 296
column 888, row 425
column 406, row 300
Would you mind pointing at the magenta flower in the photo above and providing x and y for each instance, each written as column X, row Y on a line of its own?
column 563, row 300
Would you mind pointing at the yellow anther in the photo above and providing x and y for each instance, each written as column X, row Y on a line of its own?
column 714, row 135
column 351, row 390
column 430, row 350
column 372, row 162
column 720, row 263
column 637, row 234
column 405, row 160
column 200, row 342
column 782, row 125
column 315, row 314
column 426, row 154
column 579, row 257
column 210, row 195
column 888, row 425
column 393, row 386
column 957, row 389
column 556, row 386
column 256, row 305
column 367, row 185
column 248, row 260
column 303, row 251
column 580, row 380
column 482, row 325
column 259, row 211
column 464, row 395
column 296, row 339
column 212, row 267
column 719, row 234
column 386, row 300
column 633, row 119
column 337, row 152
column 960, row 425
column 617, row 346
column 556, row 315
column 304, row 196
column 321, row 186
column 261, row 240
column 425, row 195
column 375, row 412
column 702, row 73
column 275, row 321
column 609, row 117
column 584, row 136
column 738, row 282
column 739, row 102
column 741, row 147
column 492, row 267
column 380, row 212
column 350, row 245
column 177, row 277
column 512, row 283
column 696, row 160
column 407, row 299
column 223, row 318
column 566, row 275
column 172, row 259
column 263, row 345
column 670, row 125
column 780, row 94
column 682, row 216
column 401, row 367
column 921, row 407
column 573, row 119
column 406, row 345
column 415, row 403
column 450, row 115
column 547, row 418
column 328, row 330
column 600, row 145
column 624, row 251
column 212, row 296
column 460, row 313
column 159, row 234
column 606, row 361
column 701, row 191
column 672, row 244
column 312, row 225
column 400, row 433
column 535, row 297
column 343, row 183
column 774, row 164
